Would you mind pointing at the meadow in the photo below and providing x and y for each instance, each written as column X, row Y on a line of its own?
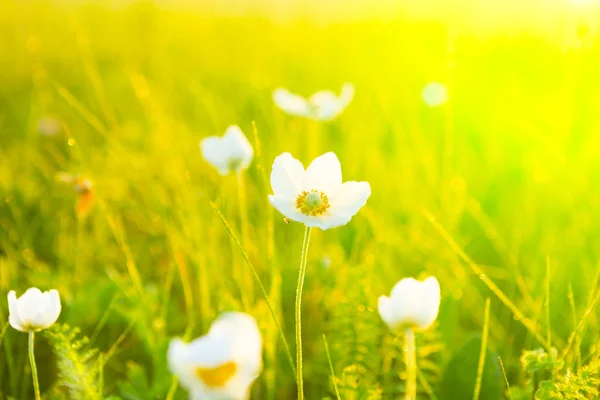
column 496, row 193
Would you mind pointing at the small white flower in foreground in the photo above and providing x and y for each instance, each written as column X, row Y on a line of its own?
column 34, row 310
column 413, row 304
column 435, row 94
column 316, row 197
column 230, row 153
column 222, row 364
column 324, row 105
column 49, row 126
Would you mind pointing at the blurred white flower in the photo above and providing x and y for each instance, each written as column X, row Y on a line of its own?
column 413, row 304
column 324, row 105
column 224, row 363
column 34, row 310
column 435, row 94
column 49, row 126
column 316, row 197
column 231, row 152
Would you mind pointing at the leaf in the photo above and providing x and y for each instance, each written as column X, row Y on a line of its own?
column 458, row 382
column 78, row 368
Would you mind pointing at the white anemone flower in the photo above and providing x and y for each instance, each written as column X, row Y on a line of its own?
column 222, row 364
column 412, row 305
column 34, row 310
column 324, row 105
column 48, row 126
column 230, row 153
column 316, row 197
column 434, row 94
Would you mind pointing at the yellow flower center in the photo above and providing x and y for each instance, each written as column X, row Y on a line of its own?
column 312, row 203
column 218, row 376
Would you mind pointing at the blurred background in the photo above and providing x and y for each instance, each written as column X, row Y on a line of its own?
column 484, row 114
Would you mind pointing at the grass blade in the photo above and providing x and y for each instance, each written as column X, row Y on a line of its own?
column 482, row 354
column 258, row 281
column 527, row 323
column 333, row 378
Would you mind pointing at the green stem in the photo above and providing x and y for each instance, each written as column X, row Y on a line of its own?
column 410, row 357
column 248, row 286
column 34, row 374
column 301, row 275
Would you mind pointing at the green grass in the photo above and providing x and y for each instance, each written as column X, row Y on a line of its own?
column 492, row 193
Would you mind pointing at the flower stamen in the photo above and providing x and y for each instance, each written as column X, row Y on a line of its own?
column 312, row 203
column 216, row 377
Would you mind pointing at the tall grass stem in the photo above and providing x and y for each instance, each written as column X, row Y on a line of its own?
column 410, row 359
column 243, row 211
column 34, row 374
column 483, row 351
column 301, row 274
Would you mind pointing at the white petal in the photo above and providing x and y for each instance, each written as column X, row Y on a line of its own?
column 345, row 201
column 291, row 103
column 17, row 324
column 176, row 356
column 29, row 304
column 287, row 176
column 183, row 366
column 324, row 173
column 244, row 337
column 205, row 352
column 209, row 351
column 406, row 302
column 13, row 309
column 415, row 303
column 49, row 311
column 347, row 93
column 325, row 105
column 233, row 337
column 405, row 288
column 430, row 302
column 240, row 149
column 287, row 207
column 384, row 308
column 215, row 153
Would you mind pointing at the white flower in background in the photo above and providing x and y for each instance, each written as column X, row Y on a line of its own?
column 316, row 197
column 49, row 126
column 434, row 94
column 413, row 304
column 230, row 153
column 34, row 310
column 222, row 364
column 324, row 105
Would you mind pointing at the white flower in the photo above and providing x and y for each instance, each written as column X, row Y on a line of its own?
column 324, row 105
column 49, row 126
column 223, row 363
column 435, row 94
column 231, row 152
column 413, row 304
column 316, row 197
column 34, row 310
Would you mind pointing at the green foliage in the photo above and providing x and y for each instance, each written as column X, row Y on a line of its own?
column 357, row 330
column 461, row 373
column 79, row 367
column 539, row 360
column 581, row 385
column 509, row 167
column 355, row 383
